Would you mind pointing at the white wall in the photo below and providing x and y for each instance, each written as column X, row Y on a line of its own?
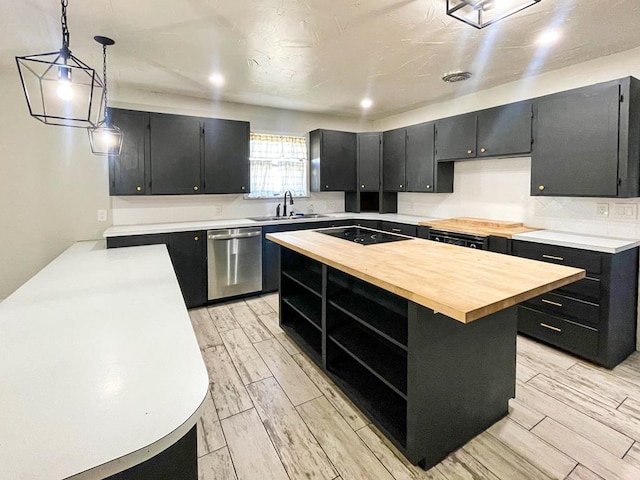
column 499, row 188
column 51, row 186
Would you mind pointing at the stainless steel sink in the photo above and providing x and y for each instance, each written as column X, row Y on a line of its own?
column 293, row 217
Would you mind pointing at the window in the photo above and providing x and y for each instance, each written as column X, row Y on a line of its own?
column 278, row 164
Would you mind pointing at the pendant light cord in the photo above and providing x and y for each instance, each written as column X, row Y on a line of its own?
column 65, row 28
column 104, row 78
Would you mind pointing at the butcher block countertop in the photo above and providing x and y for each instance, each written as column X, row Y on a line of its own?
column 462, row 283
column 479, row 226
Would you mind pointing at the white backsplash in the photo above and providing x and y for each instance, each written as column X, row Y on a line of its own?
column 499, row 189
column 193, row 208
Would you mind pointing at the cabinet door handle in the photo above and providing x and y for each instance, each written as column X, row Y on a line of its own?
column 482, row 150
column 550, row 327
column 397, row 230
column 400, row 185
column 138, row 188
column 556, row 304
column 541, row 187
column 242, row 188
column 195, row 188
column 428, row 187
column 469, row 151
column 196, row 238
column 553, row 257
column 362, row 186
column 326, row 186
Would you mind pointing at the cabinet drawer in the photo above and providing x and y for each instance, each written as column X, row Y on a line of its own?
column 556, row 331
column 400, row 228
column 573, row 257
column 582, row 312
column 587, row 288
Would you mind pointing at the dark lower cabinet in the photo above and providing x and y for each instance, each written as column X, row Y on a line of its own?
column 128, row 171
column 188, row 253
column 594, row 318
column 499, row 244
column 401, row 228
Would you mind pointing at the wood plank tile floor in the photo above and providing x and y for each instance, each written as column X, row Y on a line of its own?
column 272, row 414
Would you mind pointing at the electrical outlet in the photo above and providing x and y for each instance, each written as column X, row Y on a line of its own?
column 625, row 211
column 102, row 215
column 603, row 210
column 217, row 210
column 330, row 206
column 311, row 208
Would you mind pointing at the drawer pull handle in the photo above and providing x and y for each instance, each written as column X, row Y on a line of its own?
column 553, row 257
column 544, row 300
column 397, row 230
column 550, row 327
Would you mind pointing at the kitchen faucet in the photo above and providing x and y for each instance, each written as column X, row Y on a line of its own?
column 284, row 202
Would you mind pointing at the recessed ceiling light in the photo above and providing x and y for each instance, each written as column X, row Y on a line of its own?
column 217, row 79
column 366, row 103
column 548, row 37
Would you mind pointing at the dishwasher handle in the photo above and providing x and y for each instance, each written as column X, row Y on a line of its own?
column 233, row 236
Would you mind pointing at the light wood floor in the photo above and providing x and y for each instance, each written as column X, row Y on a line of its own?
column 272, row 414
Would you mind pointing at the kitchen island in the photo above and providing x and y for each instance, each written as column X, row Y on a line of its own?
column 100, row 370
column 420, row 335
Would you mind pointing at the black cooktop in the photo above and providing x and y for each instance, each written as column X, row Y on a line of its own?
column 362, row 235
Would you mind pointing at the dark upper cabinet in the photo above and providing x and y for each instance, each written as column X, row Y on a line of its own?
column 175, row 154
column 495, row 132
column 333, row 161
column 419, row 158
column 127, row 171
column 394, row 145
column 456, row 137
column 586, row 141
column 369, row 155
column 226, row 156
column 505, row 131
column 188, row 256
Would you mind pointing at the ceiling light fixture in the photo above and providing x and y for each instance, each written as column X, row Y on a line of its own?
column 458, row 76
column 105, row 137
column 61, row 89
column 366, row 103
column 482, row 13
column 548, row 37
column 217, row 79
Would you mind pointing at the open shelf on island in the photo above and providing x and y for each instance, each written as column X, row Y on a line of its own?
column 382, row 359
column 305, row 335
column 382, row 404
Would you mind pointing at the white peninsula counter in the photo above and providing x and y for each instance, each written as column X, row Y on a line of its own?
column 99, row 365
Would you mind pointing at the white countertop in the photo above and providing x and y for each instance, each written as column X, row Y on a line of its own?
column 124, row 230
column 99, row 365
column 576, row 240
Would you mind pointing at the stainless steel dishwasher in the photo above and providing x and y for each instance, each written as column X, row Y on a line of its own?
column 234, row 261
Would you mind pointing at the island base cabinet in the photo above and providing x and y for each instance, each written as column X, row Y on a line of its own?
column 178, row 462
column 460, row 379
column 428, row 382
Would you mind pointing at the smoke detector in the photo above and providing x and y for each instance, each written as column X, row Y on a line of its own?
column 459, row 76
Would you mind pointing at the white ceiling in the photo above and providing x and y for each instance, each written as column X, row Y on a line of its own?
column 316, row 55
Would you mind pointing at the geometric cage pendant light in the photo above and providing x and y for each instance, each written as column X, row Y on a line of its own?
column 105, row 137
column 482, row 13
column 60, row 88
